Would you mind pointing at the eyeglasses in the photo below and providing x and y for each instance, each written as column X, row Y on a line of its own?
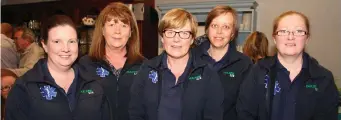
column 182, row 34
column 6, row 88
column 295, row 33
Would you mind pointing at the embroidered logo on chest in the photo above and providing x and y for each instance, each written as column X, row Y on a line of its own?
column 153, row 76
column 134, row 72
column 312, row 86
column 231, row 74
column 48, row 92
column 89, row 91
column 101, row 72
column 195, row 77
column 277, row 88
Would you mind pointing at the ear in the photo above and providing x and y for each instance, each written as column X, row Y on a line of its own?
column 103, row 31
column 192, row 41
column 308, row 39
column 162, row 40
column 274, row 40
column 44, row 46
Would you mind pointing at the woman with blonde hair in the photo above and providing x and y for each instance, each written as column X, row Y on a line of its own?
column 175, row 85
column 256, row 46
column 114, row 56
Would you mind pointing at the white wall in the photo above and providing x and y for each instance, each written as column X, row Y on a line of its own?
column 325, row 18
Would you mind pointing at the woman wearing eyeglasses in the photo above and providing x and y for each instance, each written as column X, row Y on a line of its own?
column 218, row 51
column 175, row 85
column 290, row 85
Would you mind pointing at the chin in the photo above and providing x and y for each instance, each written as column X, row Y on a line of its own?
column 177, row 55
column 220, row 45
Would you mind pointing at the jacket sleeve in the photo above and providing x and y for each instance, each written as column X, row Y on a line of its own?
column 327, row 107
column 247, row 105
column 136, row 107
column 214, row 99
column 17, row 104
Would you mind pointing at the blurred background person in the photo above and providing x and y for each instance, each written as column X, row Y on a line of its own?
column 256, row 46
column 114, row 56
column 7, row 80
column 291, row 85
column 9, row 54
column 30, row 52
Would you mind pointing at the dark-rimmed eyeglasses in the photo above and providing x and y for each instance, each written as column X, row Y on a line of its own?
column 295, row 33
column 182, row 34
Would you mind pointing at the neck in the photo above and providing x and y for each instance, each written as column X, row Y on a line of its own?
column 53, row 69
column 177, row 62
column 115, row 52
column 217, row 53
column 291, row 62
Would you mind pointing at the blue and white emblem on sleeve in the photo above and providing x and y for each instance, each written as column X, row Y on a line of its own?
column 101, row 72
column 48, row 92
column 153, row 76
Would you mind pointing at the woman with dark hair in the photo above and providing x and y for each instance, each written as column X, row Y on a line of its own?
column 56, row 88
column 114, row 56
column 218, row 50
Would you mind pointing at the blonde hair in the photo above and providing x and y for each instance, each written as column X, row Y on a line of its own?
column 116, row 10
column 256, row 46
column 178, row 18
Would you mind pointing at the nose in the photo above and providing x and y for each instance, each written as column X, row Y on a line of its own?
column 66, row 47
column 117, row 29
column 177, row 37
column 219, row 30
column 291, row 36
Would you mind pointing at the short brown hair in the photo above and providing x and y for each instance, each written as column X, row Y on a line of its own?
column 54, row 21
column 219, row 10
column 178, row 18
column 255, row 46
column 5, row 72
column 124, row 14
column 288, row 13
column 27, row 33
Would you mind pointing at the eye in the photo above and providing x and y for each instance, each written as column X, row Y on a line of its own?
column 214, row 25
column 282, row 31
column 226, row 27
column 55, row 41
column 300, row 31
column 73, row 41
column 110, row 24
column 124, row 25
column 185, row 33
